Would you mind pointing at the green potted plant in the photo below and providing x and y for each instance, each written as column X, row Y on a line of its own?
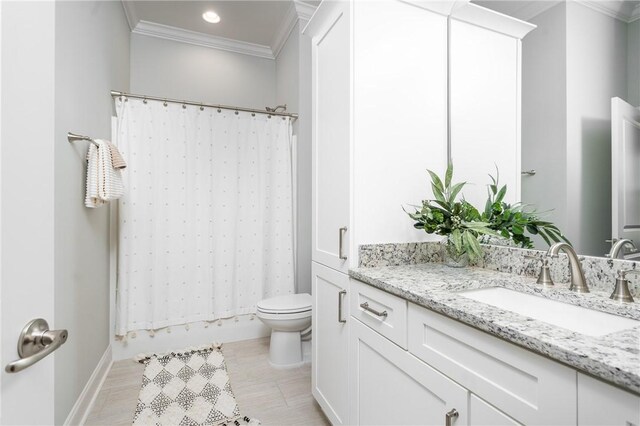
column 457, row 220
column 462, row 224
column 513, row 221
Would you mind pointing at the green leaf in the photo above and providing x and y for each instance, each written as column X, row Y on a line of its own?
column 455, row 189
column 435, row 180
column 501, row 194
column 448, row 175
column 437, row 192
column 456, row 238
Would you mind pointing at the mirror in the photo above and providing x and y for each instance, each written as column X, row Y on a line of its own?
column 581, row 55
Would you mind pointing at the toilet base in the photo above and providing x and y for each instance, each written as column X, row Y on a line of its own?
column 285, row 349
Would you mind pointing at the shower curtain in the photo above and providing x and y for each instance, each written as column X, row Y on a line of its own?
column 205, row 225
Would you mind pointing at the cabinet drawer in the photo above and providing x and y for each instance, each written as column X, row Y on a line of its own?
column 529, row 388
column 383, row 312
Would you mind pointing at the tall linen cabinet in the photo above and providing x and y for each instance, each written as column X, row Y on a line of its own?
column 380, row 118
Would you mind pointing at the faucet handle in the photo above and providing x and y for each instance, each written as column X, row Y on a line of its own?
column 544, row 278
column 621, row 292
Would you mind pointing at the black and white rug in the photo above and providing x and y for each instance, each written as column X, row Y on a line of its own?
column 187, row 388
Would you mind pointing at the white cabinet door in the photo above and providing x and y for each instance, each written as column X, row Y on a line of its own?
column 483, row 414
column 331, row 129
column 601, row 404
column 330, row 342
column 400, row 115
column 389, row 386
column 530, row 388
column 484, row 109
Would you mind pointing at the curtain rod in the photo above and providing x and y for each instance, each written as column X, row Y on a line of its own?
column 115, row 93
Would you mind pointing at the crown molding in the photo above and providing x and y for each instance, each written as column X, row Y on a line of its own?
column 130, row 13
column 608, row 9
column 297, row 11
column 200, row 39
column 304, row 10
column 535, row 8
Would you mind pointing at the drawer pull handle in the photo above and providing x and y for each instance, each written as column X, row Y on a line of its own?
column 366, row 307
column 341, row 294
column 450, row 416
column 341, row 232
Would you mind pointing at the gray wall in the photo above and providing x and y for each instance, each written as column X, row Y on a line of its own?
column 177, row 70
column 596, row 72
column 91, row 58
column 633, row 66
column 573, row 64
column 293, row 87
column 544, row 116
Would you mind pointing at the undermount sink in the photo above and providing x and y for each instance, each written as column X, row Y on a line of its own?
column 575, row 318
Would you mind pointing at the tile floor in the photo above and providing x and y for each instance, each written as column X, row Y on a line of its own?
column 275, row 397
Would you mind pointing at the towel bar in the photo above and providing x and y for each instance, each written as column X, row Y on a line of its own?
column 75, row 138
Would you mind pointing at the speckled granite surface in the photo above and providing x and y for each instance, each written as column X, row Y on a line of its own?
column 600, row 272
column 614, row 357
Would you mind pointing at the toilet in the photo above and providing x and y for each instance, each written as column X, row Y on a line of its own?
column 287, row 316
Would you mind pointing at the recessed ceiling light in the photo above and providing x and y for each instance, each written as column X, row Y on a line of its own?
column 211, row 16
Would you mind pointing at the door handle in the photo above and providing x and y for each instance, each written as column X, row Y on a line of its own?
column 528, row 172
column 341, row 294
column 340, row 238
column 36, row 341
column 450, row 416
column 367, row 308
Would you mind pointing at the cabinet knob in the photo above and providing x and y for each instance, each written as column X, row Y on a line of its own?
column 450, row 416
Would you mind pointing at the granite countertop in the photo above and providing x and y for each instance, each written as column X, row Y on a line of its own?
column 613, row 357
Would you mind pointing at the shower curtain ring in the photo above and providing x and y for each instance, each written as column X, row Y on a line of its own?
column 184, row 106
column 144, row 101
column 219, row 110
column 269, row 116
column 165, row 103
column 201, row 107
column 253, row 114
column 236, row 112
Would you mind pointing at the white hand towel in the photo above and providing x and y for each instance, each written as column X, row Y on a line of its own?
column 104, row 183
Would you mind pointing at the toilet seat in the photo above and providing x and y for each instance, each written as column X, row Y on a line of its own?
column 286, row 305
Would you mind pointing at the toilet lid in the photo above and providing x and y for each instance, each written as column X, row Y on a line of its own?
column 290, row 303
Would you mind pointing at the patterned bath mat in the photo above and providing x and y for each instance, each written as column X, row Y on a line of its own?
column 187, row 388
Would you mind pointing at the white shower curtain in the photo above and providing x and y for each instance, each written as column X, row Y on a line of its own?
column 205, row 225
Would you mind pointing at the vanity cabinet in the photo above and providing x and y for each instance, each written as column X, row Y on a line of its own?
column 524, row 386
column 447, row 365
column 330, row 320
column 392, row 387
column 602, row 404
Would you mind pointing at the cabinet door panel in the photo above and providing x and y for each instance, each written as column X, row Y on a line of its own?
column 389, row 386
column 528, row 387
column 331, row 136
column 601, row 404
column 485, row 109
column 483, row 414
column 400, row 115
column 329, row 342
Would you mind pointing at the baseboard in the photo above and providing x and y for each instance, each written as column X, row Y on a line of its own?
column 84, row 403
column 179, row 337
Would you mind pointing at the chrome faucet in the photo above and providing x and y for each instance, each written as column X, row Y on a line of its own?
column 619, row 245
column 578, row 282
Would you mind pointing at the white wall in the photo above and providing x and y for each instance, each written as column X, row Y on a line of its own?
column 633, row 66
column 91, row 58
column 177, row 70
column 27, row 207
column 596, row 71
column 544, row 116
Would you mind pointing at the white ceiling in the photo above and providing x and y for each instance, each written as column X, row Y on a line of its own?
column 248, row 21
